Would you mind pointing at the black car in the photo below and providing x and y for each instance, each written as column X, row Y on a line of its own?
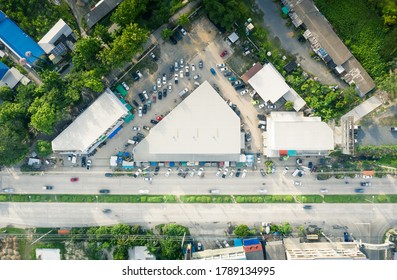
column 104, row 191
column 173, row 40
column 144, row 109
column 136, row 104
column 310, row 165
column 238, row 172
column 239, row 87
column 83, row 161
column 180, row 172
column 365, row 184
column 136, row 139
column 200, row 64
column 106, row 211
column 160, row 95
column 359, row 190
column 108, row 175
column 156, row 170
column 307, row 207
column 263, row 173
column 154, row 122
column 178, row 35
column 135, row 76
column 228, row 74
column 165, row 93
column 140, row 135
column 172, row 69
column 141, row 97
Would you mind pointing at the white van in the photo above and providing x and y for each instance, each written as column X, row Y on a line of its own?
column 295, row 172
column 74, row 159
column 214, row 191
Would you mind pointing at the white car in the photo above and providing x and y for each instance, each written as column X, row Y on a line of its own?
column 192, row 172
column 169, row 87
column 223, row 69
column 261, row 106
column 181, row 74
column 200, row 172
column 139, row 74
column 244, row 173
column 167, row 174
column 218, row 172
column 226, row 244
column 140, row 111
column 143, row 191
column 181, row 63
column 324, row 190
column 136, row 128
column 220, row 65
column 243, row 92
column 158, row 82
column 225, row 173
column 231, row 173
column 149, row 179
column 176, row 78
column 164, row 80
column 367, row 176
column 262, row 191
column 145, row 94
column 125, row 86
column 183, row 32
column 196, row 77
column 138, row 172
column 297, row 183
column 193, row 67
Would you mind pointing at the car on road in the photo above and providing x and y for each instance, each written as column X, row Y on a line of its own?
column 324, row 190
column 104, row 191
column 213, row 71
column 167, row 174
column 74, row 179
column 359, row 190
column 223, row 53
column 125, row 85
column 238, row 172
column 89, row 162
column 365, row 184
column 225, row 173
column 109, row 175
column 307, row 207
column 149, row 179
column 143, row 191
column 297, row 183
column 48, row 187
column 136, row 128
column 201, row 64
column 183, row 32
column 263, row 173
column 367, row 176
column 106, row 211
column 218, row 172
column 262, row 191
column 154, row 122
column 244, row 173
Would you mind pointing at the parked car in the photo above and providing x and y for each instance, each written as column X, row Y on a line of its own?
column 146, row 128
column 324, row 190
column 140, row 112
column 231, row 174
column 173, row 40
column 156, row 170
column 181, row 63
column 244, row 173
column 201, row 64
column 238, row 172
column 218, row 244
column 167, row 174
column 8, row 190
column 227, row 74
column 200, row 172
column 239, row 87
column 193, row 67
column 263, row 173
column 154, row 122
column 108, row 175
column 297, row 183
column 183, row 32
column 165, row 93
column 74, row 179
column 178, row 35
column 170, row 87
column 104, row 191
column 243, row 92
column 236, row 83
column 153, row 56
column 136, row 128
column 83, row 161
column 48, row 188
column 139, row 73
column 125, row 85
column 136, row 104
column 218, row 172
column 367, row 176
column 224, row 173
column 223, row 53
column 137, row 173
column 181, row 74
column 213, row 71
column 149, row 179
column 89, row 164
column 176, row 78
column 226, row 244
column 271, row 106
column 232, row 79
column 135, row 76
column 196, row 77
column 220, row 65
column 158, row 82
column 199, row 246
column 143, row 191
column 160, row 95
column 141, row 97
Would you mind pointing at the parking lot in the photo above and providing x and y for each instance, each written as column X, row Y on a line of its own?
column 201, row 43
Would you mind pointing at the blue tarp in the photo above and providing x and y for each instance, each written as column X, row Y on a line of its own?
column 153, row 163
column 115, row 132
column 237, row 242
column 251, row 241
column 3, row 69
column 172, row 164
column 202, row 163
column 291, row 153
column 127, row 154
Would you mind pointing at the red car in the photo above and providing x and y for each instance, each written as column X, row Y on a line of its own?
column 223, row 53
column 74, row 179
column 154, row 98
column 159, row 118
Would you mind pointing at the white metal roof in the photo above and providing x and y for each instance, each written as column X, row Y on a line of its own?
column 293, row 96
column 11, row 78
column 269, row 83
column 201, row 128
column 293, row 131
column 233, row 37
column 91, row 124
column 47, row 42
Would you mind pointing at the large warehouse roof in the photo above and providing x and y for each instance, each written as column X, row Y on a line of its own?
column 91, row 124
column 293, row 131
column 201, row 128
column 269, row 83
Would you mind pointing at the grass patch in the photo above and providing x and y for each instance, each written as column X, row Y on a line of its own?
column 360, row 198
column 206, row 198
column 311, row 198
column 279, row 199
column 249, row 198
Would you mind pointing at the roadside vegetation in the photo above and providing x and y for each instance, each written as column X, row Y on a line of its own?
column 373, row 40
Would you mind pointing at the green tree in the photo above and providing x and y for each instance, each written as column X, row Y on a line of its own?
column 43, row 148
column 44, row 116
column 242, row 231
column 166, row 33
column 102, row 32
column 223, row 12
column 183, row 19
column 6, row 93
column 127, row 11
column 289, row 106
column 389, row 84
column 85, row 53
column 14, row 142
column 124, row 46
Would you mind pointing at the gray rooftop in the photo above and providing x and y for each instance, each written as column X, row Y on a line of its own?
column 201, row 128
column 100, row 11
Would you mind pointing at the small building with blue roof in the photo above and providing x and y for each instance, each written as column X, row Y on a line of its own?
column 17, row 41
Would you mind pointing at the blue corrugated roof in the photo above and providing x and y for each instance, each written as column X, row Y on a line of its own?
column 17, row 40
column 3, row 69
column 251, row 241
